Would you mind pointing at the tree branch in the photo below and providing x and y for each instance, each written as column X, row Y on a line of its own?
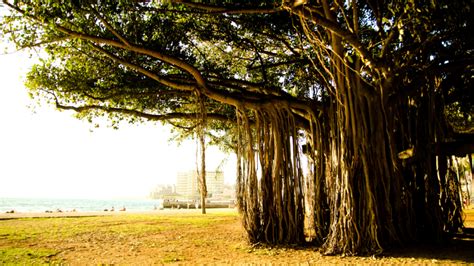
column 118, row 95
column 283, row 63
column 387, row 41
column 212, row 9
column 166, row 82
column 349, row 37
column 59, row 39
column 109, row 27
column 151, row 117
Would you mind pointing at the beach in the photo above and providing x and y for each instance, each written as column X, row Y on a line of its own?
column 39, row 205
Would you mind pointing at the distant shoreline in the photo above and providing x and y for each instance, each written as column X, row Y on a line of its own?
column 20, row 215
column 53, row 205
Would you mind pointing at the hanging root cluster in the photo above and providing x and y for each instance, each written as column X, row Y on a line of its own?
column 359, row 194
column 270, row 179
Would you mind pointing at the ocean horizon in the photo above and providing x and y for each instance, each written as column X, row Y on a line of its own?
column 22, row 205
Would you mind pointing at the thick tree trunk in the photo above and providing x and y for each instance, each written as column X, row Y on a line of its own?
column 202, row 173
column 202, row 145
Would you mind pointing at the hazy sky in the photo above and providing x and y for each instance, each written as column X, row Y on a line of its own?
column 47, row 153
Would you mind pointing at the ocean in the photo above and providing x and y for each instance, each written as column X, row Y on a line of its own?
column 80, row 205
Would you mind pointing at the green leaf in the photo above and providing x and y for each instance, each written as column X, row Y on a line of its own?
column 349, row 58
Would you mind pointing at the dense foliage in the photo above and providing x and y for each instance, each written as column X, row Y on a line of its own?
column 362, row 88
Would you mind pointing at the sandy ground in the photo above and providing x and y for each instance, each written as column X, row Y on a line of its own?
column 186, row 237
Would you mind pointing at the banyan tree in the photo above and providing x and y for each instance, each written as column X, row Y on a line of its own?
column 337, row 110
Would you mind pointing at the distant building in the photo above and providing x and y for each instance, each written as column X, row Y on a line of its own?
column 164, row 192
column 467, row 188
column 187, row 184
column 229, row 192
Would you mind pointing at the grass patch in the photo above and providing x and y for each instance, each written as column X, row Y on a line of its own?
column 39, row 240
column 27, row 256
column 173, row 258
column 36, row 229
column 136, row 228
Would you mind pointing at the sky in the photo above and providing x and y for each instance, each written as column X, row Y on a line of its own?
column 45, row 153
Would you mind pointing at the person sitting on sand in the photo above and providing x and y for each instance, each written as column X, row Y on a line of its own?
column 112, row 209
column 123, row 209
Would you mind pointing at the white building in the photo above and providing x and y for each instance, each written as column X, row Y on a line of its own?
column 187, row 185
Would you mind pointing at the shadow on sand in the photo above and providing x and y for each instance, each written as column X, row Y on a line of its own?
column 459, row 248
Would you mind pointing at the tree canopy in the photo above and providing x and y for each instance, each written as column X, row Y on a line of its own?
column 362, row 88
